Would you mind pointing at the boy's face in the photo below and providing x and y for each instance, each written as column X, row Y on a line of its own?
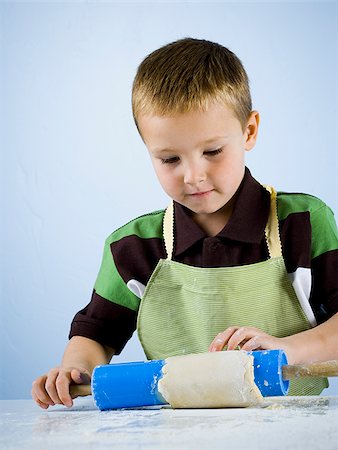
column 199, row 156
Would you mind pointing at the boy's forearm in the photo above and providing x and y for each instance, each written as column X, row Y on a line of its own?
column 317, row 344
column 85, row 353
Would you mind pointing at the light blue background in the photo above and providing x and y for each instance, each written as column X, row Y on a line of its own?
column 73, row 167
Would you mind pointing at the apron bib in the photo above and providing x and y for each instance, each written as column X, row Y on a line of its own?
column 184, row 307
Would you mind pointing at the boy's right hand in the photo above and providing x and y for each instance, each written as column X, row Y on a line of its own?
column 53, row 388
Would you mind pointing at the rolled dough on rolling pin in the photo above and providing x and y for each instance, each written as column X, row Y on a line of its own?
column 210, row 380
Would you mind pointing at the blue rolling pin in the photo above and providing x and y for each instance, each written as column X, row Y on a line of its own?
column 135, row 384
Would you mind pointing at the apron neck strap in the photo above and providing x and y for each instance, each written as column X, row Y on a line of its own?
column 168, row 230
column 271, row 228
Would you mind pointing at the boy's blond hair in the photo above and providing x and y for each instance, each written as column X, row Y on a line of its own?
column 187, row 75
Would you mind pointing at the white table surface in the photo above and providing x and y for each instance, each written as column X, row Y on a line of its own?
column 288, row 423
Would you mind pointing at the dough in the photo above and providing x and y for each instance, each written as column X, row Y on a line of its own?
column 209, row 380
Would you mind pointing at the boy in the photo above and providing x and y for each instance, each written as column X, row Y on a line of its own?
column 230, row 262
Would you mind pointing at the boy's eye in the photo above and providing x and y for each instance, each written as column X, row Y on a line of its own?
column 213, row 152
column 172, row 160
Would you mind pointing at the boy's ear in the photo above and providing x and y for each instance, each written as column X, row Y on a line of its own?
column 251, row 130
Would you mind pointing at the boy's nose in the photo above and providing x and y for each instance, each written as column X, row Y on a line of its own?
column 194, row 174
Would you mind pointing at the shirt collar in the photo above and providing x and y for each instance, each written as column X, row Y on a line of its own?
column 246, row 224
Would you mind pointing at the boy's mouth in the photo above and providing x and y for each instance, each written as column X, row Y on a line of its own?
column 201, row 194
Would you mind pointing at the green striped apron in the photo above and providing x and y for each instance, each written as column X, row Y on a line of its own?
column 184, row 307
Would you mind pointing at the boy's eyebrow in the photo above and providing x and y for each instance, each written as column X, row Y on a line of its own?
column 206, row 142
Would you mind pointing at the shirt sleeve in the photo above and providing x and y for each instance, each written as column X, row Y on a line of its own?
column 110, row 317
column 130, row 253
column 110, row 284
column 324, row 254
column 105, row 322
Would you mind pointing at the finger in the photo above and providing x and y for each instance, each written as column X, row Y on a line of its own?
column 39, row 402
column 252, row 344
column 241, row 336
column 51, row 385
column 80, row 376
column 222, row 339
column 39, row 391
column 262, row 341
column 62, row 386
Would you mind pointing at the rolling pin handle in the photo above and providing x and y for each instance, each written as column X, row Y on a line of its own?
column 316, row 369
column 80, row 390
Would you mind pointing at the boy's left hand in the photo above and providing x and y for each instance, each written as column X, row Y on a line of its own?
column 246, row 338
